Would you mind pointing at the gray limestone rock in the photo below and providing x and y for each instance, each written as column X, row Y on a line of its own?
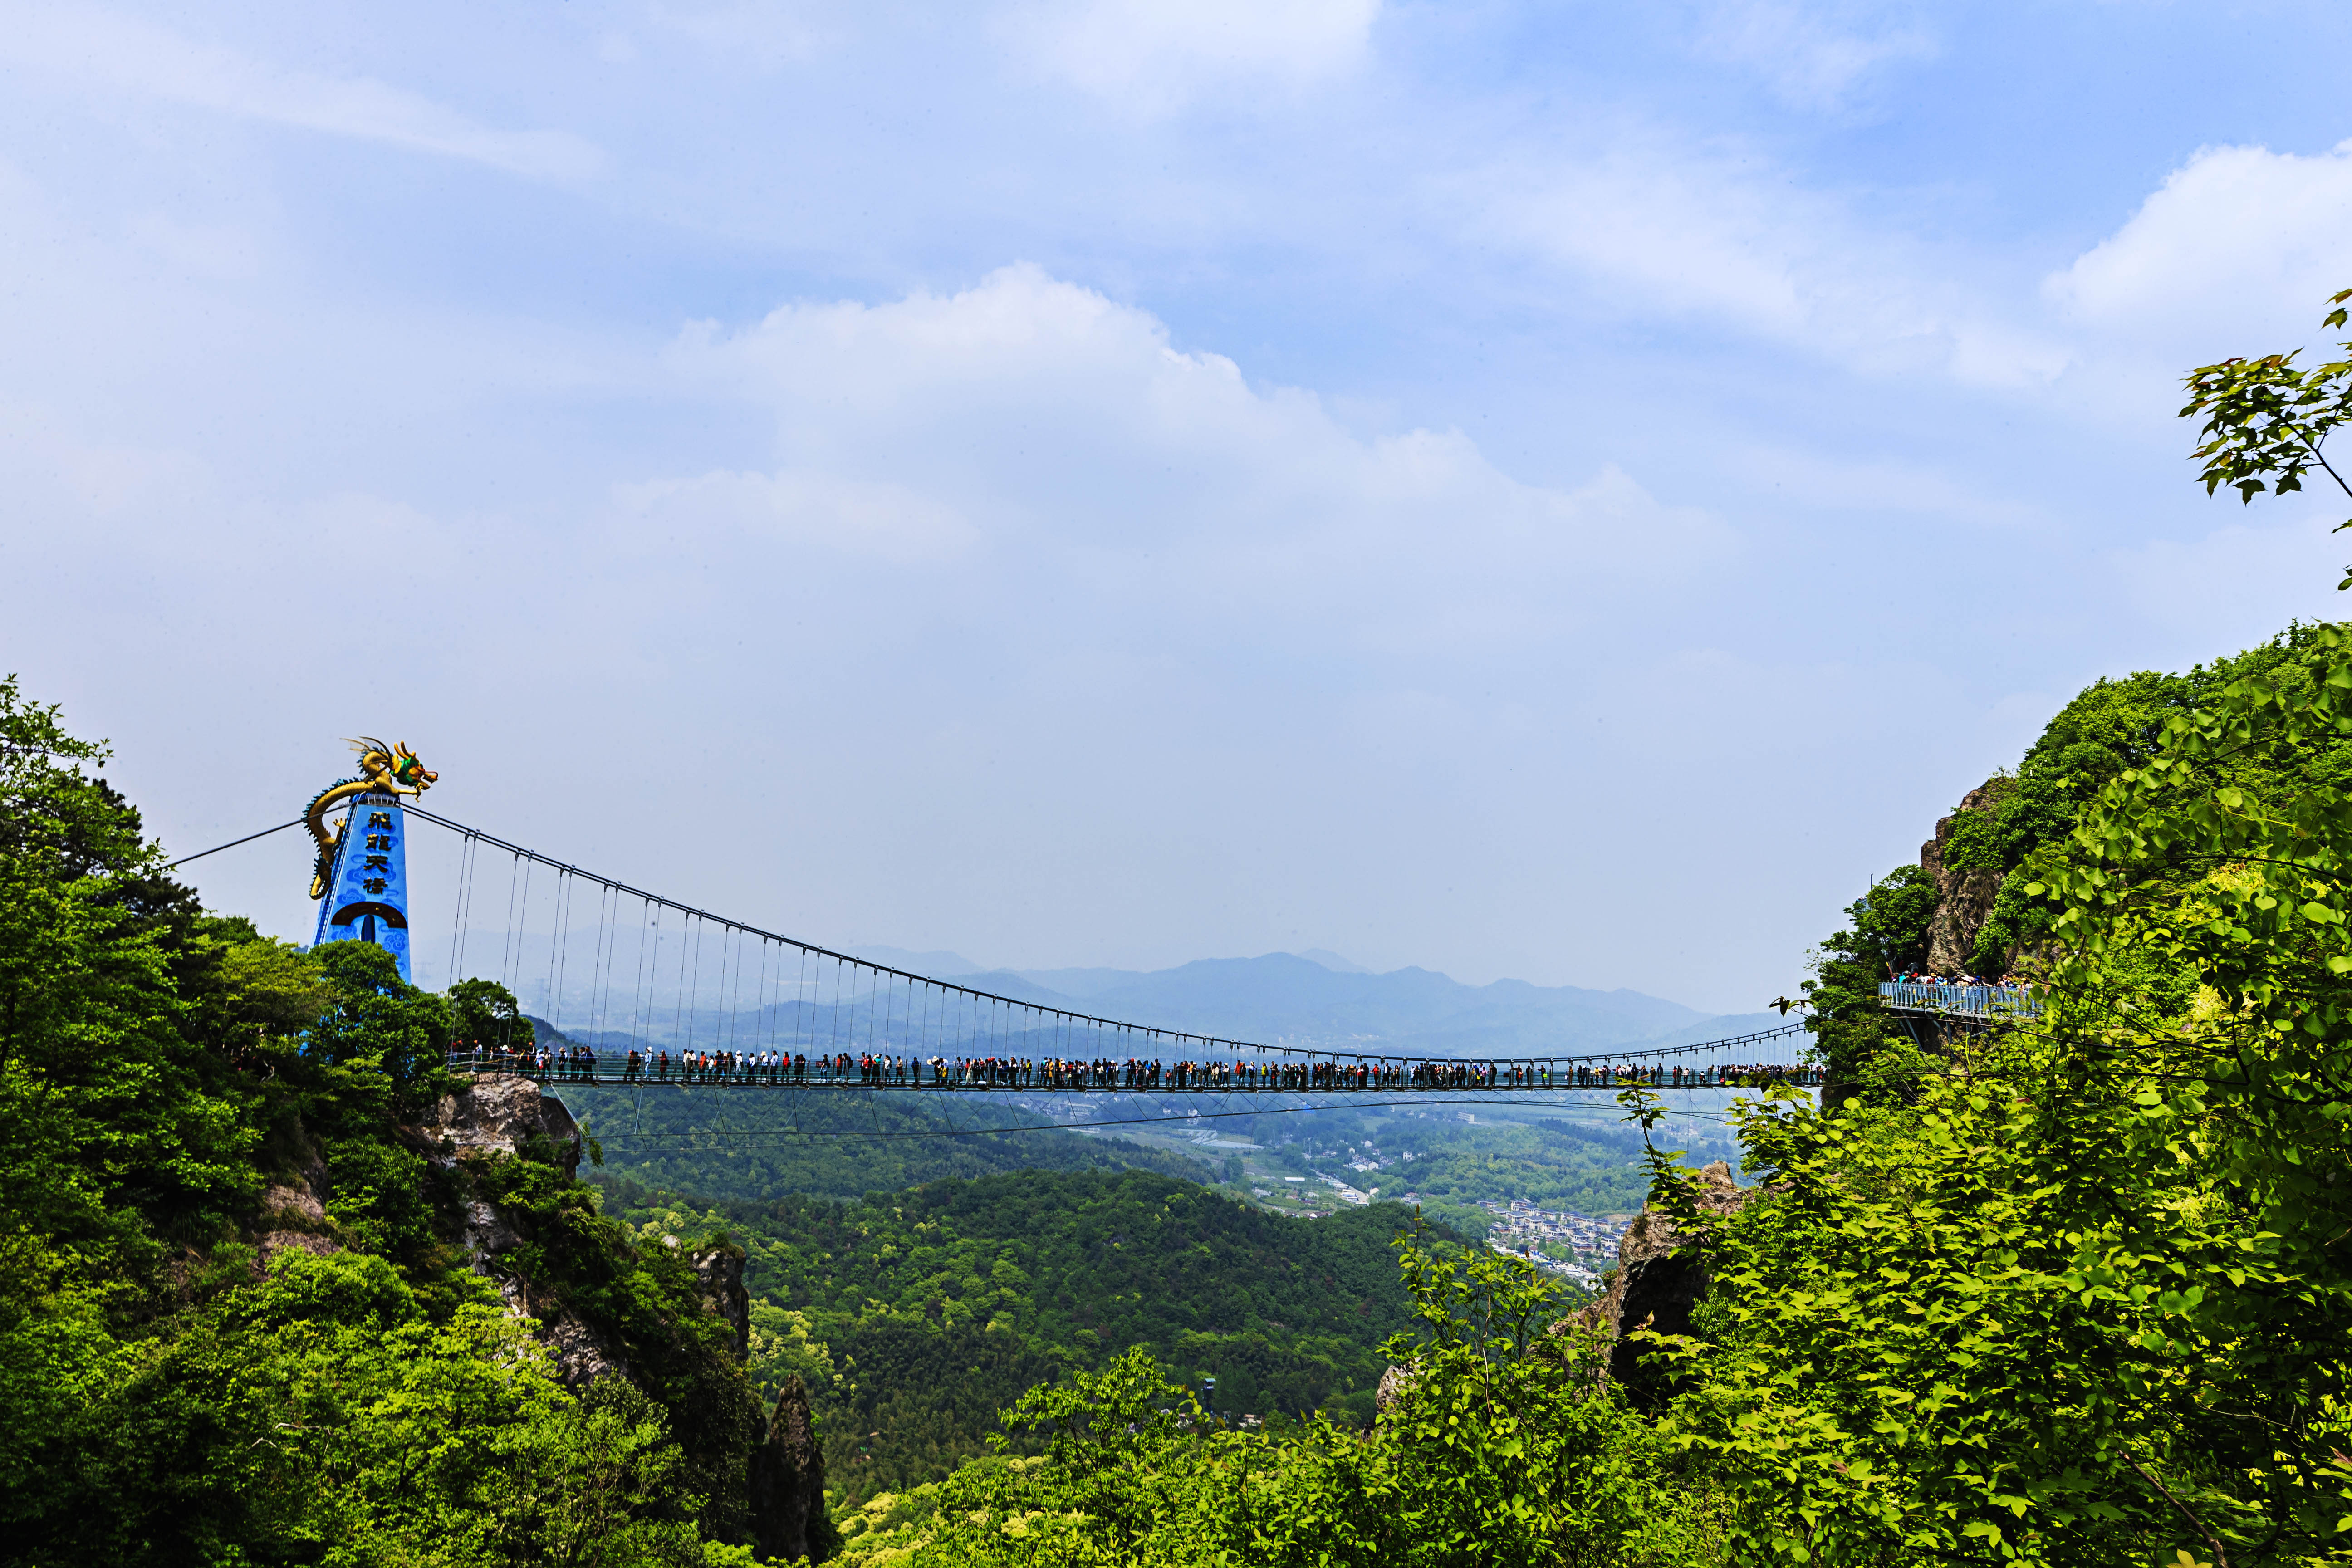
column 497, row 1113
column 786, row 1490
column 1661, row 1275
column 581, row 1354
column 719, row 1282
column 271, row 1243
column 1963, row 898
column 288, row 1206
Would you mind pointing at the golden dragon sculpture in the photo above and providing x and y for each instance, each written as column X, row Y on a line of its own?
column 388, row 770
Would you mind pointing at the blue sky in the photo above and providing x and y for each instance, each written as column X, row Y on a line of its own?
column 1568, row 492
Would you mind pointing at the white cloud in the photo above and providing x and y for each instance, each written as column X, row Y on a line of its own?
column 1663, row 228
column 2241, row 582
column 859, row 517
column 767, row 33
column 2237, row 241
column 1153, row 53
column 1812, row 56
column 127, row 54
column 1051, row 429
column 1889, row 487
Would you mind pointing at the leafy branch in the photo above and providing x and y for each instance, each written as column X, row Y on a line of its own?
column 2265, row 420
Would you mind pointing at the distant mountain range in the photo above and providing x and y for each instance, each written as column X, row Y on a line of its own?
column 1314, row 1000
column 1320, row 999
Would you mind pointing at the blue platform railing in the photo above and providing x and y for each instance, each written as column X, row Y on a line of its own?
column 1968, row 1001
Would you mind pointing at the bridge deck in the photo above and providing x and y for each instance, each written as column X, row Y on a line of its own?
column 922, row 1078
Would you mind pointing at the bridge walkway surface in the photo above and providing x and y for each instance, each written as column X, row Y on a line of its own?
column 996, row 1078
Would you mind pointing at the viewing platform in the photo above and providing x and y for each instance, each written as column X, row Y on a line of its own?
column 1989, row 1002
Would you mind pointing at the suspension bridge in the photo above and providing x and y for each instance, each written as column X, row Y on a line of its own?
column 646, row 990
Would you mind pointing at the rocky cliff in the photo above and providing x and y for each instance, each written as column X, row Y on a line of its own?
column 1661, row 1274
column 1963, row 898
column 780, row 1500
column 499, row 1114
column 787, row 1483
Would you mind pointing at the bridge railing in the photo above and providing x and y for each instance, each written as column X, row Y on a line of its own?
column 995, row 1075
column 1968, row 1001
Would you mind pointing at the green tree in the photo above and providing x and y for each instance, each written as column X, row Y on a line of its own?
column 485, row 1015
column 1886, row 934
column 2084, row 1298
column 2266, row 421
column 377, row 1025
column 1504, row 1448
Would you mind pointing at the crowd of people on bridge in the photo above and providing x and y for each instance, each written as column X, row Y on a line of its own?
column 870, row 1070
column 1923, row 977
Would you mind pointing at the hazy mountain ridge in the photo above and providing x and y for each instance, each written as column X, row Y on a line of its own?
column 1276, row 998
column 1284, row 997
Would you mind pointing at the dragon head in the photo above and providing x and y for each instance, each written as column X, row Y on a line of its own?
column 395, row 768
column 409, row 771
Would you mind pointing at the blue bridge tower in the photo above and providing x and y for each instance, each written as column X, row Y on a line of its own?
column 361, row 880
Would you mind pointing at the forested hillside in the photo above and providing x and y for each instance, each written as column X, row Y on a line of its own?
column 918, row 1315
column 725, row 1143
column 2070, row 1292
column 1970, row 904
column 260, row 1299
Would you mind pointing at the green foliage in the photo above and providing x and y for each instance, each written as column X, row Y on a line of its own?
column 2080, row 1293
column 2108, row 729
column 914, row 1317
column 379, row 1024
column 2085, row 1300
column 168, row 1398
column 380, row 1196
column 645, row 1302
column 2111, row 727
column 485, row 1015
column 2266, row 421
column 2224, row 858
column 1915, row 1350
column 315, row 1425
column 913, row 1403
column 1886, row 932
column 720, row 1143
column 1504, row 1449
column 113, row 1128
